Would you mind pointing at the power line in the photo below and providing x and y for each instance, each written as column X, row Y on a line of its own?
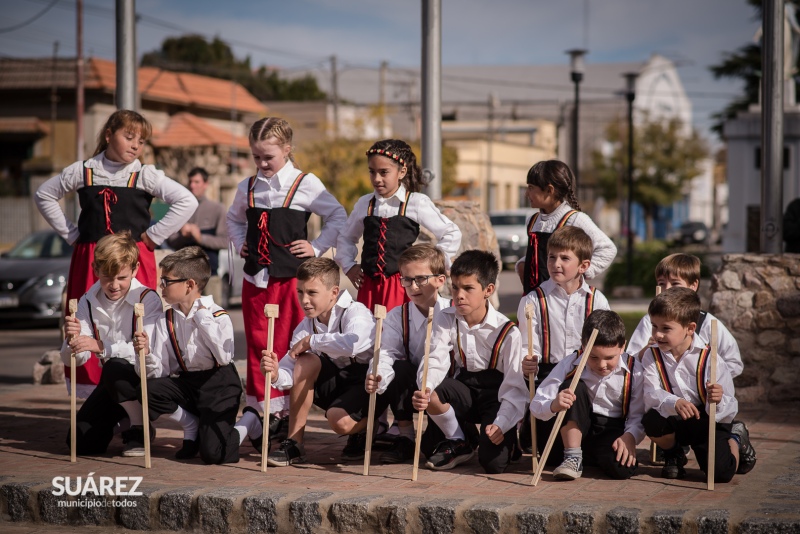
column 30, row 20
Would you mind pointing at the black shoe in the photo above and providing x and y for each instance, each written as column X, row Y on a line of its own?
column 401, row 451
column 258, row 442
column 189, row 450
column 382, row 436
column 278, row 427
column 356, row 445
column 674, row 460
column 289, row 452
column 449, row 454
column 747, row 454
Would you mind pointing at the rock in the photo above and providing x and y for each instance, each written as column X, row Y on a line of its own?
column 769, row 319
column 49, row 509
column 438, row 516
column 484, row 518
column 785, row 375
column 722, row 304
column 261, row 512
column 730, row 280
column 763, row 299
column 668, row 521
column 621, row 520
column 49, row 369
column 579, row 519
column 350, row 515
column 393, row 514
column 745, row 299
column 534, row 520
column 17, row 500
column 763, row 525
column 216, row 509
column 305, row 512
column 98, row 514
column 779, row 283
column 137, row 517
column 789, row 305
column 773, row 339
column 713, row 522
column 175, row 508
column 751, row 280
column 743, row 321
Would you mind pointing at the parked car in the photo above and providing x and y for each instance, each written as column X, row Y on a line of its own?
column 33, row 277
column 692, row 232
column 231, row 280
column 512, row 233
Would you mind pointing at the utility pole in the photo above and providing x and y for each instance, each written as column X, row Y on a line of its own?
column 335, row 95
column 127, row 86
column 79, row 104
column 382, row 98
column 772, row 128
column 492, row 105
column 432, row 96
column 54, row 106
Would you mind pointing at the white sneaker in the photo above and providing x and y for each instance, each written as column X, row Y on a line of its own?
column 570, row 469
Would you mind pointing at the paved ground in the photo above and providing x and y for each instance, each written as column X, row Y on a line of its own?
column 34, row 419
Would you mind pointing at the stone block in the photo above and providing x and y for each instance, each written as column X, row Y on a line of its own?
column 780, row 283
column 216, row 508
column 579, row 519
column 94, row 511
column 668, row 521
column 788, row 305
column 722, row 304
column 139, row 516
column 16, row 500
column 712, row 522
column 49, row 510
column 261, row 512
column 305, row 512
column 763, row 525
column 744, row 321
column 772, row 339
column 438, row 515
column 485, row 517
column 745, row 300
column 351, row 515
column 621, row 520
column 769, row 319
column 175, row 509
column 393, row 515
column 730, row 280
column 763, row 300
column 49, row 369
column 751, row 280
column 534, row 520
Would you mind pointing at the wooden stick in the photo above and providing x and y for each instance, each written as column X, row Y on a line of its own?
column 653, row 447
column 73, row 398
column 712, row 411
column 271, row 312
column 562, row 413
column 531, row 387
column 138, row 311
column 418, row 440
column 380, row 315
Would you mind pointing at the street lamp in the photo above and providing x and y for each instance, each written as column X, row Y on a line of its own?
column 576, row 73
column 630, row 95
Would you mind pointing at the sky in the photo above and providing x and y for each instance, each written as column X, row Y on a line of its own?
column 299, row 34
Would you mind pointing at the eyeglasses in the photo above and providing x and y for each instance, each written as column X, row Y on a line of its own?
column 168, row 281
column 420, row 280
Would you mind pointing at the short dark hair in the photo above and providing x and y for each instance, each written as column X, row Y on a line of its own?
column 190, row 263
column 481, row 263
column 679, row 304
column 323, row 268
column 199, row 170
column 610, row 329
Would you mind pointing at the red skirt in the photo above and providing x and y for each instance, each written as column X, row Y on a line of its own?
column 385, row 291
column 281, row 291
column 81, row 278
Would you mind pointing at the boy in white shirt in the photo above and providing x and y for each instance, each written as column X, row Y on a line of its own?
column 104, row 325
column 603, row 421
column 329, row 355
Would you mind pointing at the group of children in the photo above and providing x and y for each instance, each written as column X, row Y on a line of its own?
column 479, row 361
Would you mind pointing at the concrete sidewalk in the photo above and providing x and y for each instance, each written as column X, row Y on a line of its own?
column 328, row 496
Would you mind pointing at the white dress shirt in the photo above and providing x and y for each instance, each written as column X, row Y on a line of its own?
column 392, row 347
column 270, row 193
column 682, row 376
column 181, row 202
column 477, row 343
column 205, row 341
column 566, row 315
column 727, row 348
column 420, row 209
column 606, row 392
column 349, row 336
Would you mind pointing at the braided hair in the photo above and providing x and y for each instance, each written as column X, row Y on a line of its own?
column 400, row 152
column 274, row 127
column 558, row 174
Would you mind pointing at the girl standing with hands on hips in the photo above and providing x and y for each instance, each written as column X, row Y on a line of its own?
column 389, row 221
column 115, row 191
column 550, row 190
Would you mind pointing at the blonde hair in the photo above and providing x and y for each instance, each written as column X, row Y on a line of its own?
column 123, row 118
column 114, row 252
column 683, row 266
column 325, row 269
column 573, row 239
column 190, row 263
column 429, row 254
column 275, row 127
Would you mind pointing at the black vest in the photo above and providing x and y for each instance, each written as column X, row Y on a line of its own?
column 270, row 233
column 536, row 255
column 385, row 238
column 108, row 210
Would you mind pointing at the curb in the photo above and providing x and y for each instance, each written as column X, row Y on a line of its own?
column 237, row 510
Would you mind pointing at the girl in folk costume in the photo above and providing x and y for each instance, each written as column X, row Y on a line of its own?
column 389, row 221
column 115, row 191
column 550, row 190
column 267, row 225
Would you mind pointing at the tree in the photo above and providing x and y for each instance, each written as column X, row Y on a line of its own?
column 193, row 53
column 665, row 161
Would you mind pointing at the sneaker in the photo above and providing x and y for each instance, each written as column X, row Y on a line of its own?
column 747, row 454
column 134, row 442
column 356, row 445
column 189, row 450
column 289, row 452
column 401, row 451
column 570, row 469
column 449, row 454
column 673, row 464
column 385, row 437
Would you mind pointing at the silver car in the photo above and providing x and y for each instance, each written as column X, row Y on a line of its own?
column 512, row 233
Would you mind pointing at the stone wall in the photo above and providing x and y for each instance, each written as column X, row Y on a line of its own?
column 758, row 298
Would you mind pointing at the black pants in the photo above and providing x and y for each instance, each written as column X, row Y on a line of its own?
column 473, row 396
column 694, row 433
column 398, row 395
column 599, row 433
column 341, row 388
column 213, row 396
column 101, row 411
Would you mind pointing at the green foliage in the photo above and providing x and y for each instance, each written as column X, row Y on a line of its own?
column 665, row 161
column 631, row 320
column 192, row 53
column 646, row 256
